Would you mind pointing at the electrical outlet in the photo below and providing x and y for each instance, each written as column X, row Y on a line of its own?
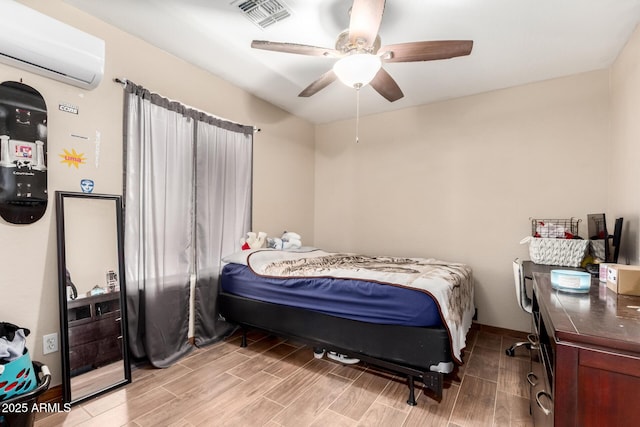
column 50, row 343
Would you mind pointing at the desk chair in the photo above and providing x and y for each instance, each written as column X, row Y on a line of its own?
column 523, row 300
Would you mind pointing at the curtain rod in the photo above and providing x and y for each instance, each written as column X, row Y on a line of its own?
column 124, row 82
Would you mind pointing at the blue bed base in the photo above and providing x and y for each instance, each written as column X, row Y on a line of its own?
column 352, row 299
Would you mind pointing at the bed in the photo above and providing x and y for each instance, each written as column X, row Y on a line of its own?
column 406, row 315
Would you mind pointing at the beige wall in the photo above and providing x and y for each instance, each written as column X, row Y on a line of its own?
column 284, row 149
column 459, row 180
column 623, row 158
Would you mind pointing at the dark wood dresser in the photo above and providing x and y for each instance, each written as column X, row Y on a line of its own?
column 95, row 336
column 585, row 361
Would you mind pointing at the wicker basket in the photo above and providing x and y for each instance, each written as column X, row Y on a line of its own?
column 561, row 252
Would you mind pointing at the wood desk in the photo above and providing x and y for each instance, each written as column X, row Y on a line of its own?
column 586, row 371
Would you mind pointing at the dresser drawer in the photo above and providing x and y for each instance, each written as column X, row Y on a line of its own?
column 107, row 326
column 94, row 354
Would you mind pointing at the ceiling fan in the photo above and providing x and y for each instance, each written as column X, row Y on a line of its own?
column 361, row 54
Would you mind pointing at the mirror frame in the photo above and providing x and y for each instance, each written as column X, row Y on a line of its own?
column 64, row 321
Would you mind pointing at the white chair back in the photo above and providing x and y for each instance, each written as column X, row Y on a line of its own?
column 521, row 289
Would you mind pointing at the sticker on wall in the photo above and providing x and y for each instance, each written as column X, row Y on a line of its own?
column 87, row 185
column 23, row 153
column 68, row 108
column 72, row 158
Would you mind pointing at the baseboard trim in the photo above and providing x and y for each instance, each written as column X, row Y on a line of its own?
column 51, row 395
column 497, row 330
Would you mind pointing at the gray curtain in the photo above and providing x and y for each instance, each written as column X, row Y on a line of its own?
column 158, row 225
column 161, row 188
column 223, row 215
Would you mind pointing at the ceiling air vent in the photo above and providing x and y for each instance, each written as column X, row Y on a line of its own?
column 263, row 12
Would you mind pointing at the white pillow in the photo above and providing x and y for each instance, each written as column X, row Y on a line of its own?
column 241, row 257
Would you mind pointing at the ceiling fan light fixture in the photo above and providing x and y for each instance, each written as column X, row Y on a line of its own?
column 358, row 69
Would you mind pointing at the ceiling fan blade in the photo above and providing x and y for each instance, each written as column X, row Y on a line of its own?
column 426, row 50
column 384, row 84
column 325, row 80
column 300, row 49
column 364, row 24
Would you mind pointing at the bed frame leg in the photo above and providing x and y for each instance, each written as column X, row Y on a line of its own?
column 243, row 342
column 412, row 391
column 434, row 382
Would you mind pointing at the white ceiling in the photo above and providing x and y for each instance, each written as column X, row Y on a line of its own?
column 515, row 42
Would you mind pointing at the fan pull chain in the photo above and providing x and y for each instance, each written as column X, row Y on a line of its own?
column 357, row 112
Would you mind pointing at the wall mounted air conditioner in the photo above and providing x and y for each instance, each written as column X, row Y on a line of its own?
column 38, row 43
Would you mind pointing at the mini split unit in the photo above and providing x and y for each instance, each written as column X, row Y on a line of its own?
column 38, row 43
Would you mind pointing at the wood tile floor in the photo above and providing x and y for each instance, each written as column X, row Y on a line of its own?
column 274, row 383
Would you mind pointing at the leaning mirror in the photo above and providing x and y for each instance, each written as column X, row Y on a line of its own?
column 92, row 304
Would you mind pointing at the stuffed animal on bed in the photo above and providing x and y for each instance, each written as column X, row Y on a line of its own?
column 289, row 240
column 253, row 240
